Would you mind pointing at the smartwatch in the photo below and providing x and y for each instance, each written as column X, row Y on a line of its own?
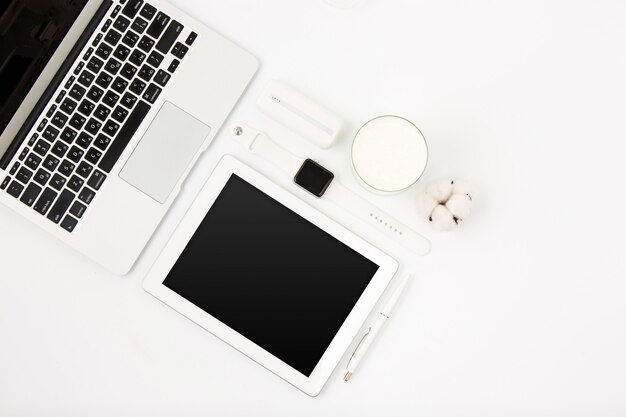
column 321, row 182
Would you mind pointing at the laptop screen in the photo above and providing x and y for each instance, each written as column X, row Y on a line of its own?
column 30, row 32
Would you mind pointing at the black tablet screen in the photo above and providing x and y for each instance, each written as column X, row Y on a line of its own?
column 271, row 275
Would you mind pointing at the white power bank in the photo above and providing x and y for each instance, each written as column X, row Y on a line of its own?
column 300, row 114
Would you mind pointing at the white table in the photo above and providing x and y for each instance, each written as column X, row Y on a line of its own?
column 521, row 312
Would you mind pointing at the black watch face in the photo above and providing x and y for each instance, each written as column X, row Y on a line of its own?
column 314, row 178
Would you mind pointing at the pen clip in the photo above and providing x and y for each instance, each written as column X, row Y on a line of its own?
column 356, row 349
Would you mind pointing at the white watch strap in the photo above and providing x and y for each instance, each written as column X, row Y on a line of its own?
column 259, row 143
column 377, row 218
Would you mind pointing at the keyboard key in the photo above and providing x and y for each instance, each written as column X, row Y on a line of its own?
column 102, row 112
column 42, row 147
column 121, row 24
column 158, row 25
column 32, row 161
column 110, row 99
column 5, row 182
column 104, row 80
column 59, row 119
column 23, row 175
column 77, row 71
column 70, row 81
column 77, row 121
column 104, row 51
column 169, row 37
column 124, row 136
column 95, row 93
column 30, row 194
column 61, row 205
column 173, row 65
column 50, row 133
column 113, row 66
column 86, row 107
column 23, row 154
column 83, row 140
column 69, row 223
column 137, row 57
column 87, row 55
column 145, row 44
column 128, row 71
column 86, row 78
column 110, row 128
column 66, row 167
column 93, row 126
column 50, row 163
column 51, row 110
column 86, row 195
column 68, row 135
column 179, row 50
column 96, row 180
column 116, row 11
column 33, row 139
column 151, row 93
column 75, row 154
column 148, row 11
column 93, row 156
column 137, row 86
column 191, row 38
column 45, row 201
column 155, row 59
column 75, row 183
column 129, row 100
column 97, row 40
column 119, row 85
column 102, row 142
column 121, row 52
column 77, row 92
column 15, row 189
column 106, row 25
column 95, row 65
column 41, row 176
column 161, row 78
column 146, row 72
column 59, row 149
column 68, row 105
column 14, row 168
column 78, row 209
column 84, row 169
column 112, row 37
column 139, row 25
column 119, row 114
column 57, row 182
column 42, row 124
column 130, row 39
column 132, row 7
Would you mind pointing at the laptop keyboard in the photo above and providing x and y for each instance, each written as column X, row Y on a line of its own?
column 93, row 117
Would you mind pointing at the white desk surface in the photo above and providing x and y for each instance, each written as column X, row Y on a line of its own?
column 520, row 312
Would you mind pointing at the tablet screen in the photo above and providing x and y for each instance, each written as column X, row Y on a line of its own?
column 271, row 275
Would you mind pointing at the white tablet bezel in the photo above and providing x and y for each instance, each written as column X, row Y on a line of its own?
column 153, row 282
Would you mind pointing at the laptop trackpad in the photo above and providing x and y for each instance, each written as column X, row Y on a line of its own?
column 164, row 152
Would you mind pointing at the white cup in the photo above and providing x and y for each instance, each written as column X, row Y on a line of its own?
column 389, row 154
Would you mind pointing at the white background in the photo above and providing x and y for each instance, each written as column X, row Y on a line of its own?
column 519, row 312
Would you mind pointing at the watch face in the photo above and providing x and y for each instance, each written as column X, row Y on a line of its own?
column 313, row 177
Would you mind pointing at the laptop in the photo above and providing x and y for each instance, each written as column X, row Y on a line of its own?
column 105, row 106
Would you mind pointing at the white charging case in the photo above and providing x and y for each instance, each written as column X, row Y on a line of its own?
column 300, row 114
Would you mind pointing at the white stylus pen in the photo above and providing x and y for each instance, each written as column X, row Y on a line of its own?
column 369, row 337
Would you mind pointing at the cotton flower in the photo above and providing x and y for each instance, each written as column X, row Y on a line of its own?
column 445, row 204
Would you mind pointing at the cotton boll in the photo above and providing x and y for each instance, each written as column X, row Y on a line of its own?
column 460, row 205
column 440, row 190
column 442, row 219
column 425, row 205
column 461, row 187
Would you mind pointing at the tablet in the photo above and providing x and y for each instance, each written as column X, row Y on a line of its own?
column 270, row 275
